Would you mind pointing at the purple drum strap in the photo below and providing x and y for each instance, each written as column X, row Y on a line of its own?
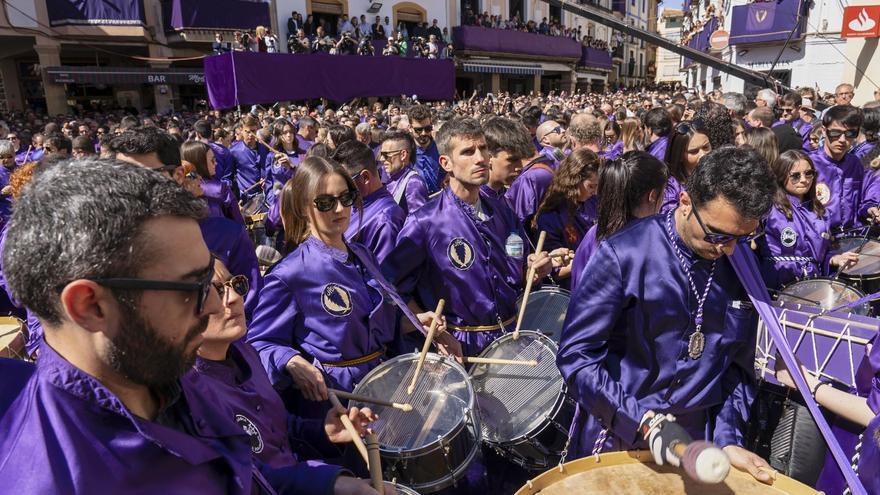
column 746, row 267
column 855, row 303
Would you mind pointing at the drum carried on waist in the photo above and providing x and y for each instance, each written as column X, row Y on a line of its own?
column 524, row 410
column 634, row 473
column 825, row 293
column 546, row 311
column 865, row 274
column 430, row 447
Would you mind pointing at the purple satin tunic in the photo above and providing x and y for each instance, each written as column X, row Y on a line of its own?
column 221, row 202
column 414, row 192
column 251, row 165
column 526, row 193
column 670, row 194
column 582, row 255
column 844, row 180
column 225, row 170
column 793, row 249
column 230, row 242
column 613, row 151
column 378, row 226
column 657, row 149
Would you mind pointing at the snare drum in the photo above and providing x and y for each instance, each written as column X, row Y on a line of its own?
column 546, row 311
column 394, row 488
column 429, row 448
column 866, row 273
column 524, row 410
column 634, row 473
column 825, row 293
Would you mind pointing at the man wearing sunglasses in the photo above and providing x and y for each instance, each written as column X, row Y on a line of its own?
column 406, row 186
column 427, row 157
column 845, row 205
column 553, row 140
column 789, row 107
column 660, row 323
column 378, row 222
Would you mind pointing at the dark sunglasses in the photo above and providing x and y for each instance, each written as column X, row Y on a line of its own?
column 423, row 130
column 786, row 109
column 715, row 238
column 327, row 202
column 386, row 155
column 796, row 176
column 203, row 288
column 834, row 134
column 238, row 283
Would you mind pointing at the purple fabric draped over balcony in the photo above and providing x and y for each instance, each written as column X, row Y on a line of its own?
column 763, row 22
column 215, row 14
column 700, row 41
column 95, row 12
column 244, row 78
column 595, row 57
column 618, row 6
column 507, row 41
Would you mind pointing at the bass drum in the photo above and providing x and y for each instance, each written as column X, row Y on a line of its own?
column 546, row 311
column 825, row 293
column 634, row 473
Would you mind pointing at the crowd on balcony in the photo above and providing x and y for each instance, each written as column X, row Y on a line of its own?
column 260, row 40
column 551, row 27
column 697, row 25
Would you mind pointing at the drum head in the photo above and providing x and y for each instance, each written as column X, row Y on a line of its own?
column 869, row 259
column 634, row 473
column 825, row 293
column 441, row 400
column 514, row 399
column 546, row 311
column 253, row 205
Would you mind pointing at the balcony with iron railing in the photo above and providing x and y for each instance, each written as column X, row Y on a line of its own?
column 480, row 40
column 198, row 20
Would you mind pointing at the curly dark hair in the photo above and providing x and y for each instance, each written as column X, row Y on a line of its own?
column 740, row 175
column 717, row 124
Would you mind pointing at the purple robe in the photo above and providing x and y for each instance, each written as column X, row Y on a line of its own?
column 322, row 304
column 445, row 251
column 304, row 144
column 846, row 191
column 25, row 155
column 278, row 175
column 863, row 149
column 802, row 127
column 613, row 151
column 379, row 225
column 526, row 193
column 428, row 165
column 670, row 194
column 793, row 249
column 487, row 190
column 565, row 230
column 552, row 156
column 71, row 434
column 16, row 374
column 869, row 460
column 221, row 202
column 657, row 149
column 624, row 347
column 250, row 166
column 229, row 241
column 255, row 406
column 582, row 255
column 407, row 185
column 225, row 170
column 5, row 200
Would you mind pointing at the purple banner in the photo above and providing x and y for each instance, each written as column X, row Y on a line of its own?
column 241, row 78
column 700, row 41
column 215, row 14
column 763, row 22
column 595, row 57
column 95, row 12
column 508, row 41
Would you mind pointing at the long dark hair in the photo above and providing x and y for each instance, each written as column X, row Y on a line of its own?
column 781, row 167
column 679, row 140
column 564, row 189
column 622, row 185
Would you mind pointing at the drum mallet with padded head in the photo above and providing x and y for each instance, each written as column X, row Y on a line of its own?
column 670, row 443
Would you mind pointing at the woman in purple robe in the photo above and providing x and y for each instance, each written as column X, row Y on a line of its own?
column 689, row 143
column 199, row 157
column 629, row 188
column 797, row 240
column 613, row 144
column 324, row 317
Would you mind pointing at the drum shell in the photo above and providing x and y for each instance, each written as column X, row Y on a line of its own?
column 868, row 283
column 546, row 311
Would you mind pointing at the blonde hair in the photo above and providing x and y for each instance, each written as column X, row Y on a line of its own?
column 260, row 31
column 629, row 133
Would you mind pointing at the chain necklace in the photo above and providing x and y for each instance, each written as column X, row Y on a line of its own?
column 697, row 340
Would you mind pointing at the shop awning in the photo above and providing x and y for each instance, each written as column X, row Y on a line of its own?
column 555, row 67
column 124, row 75
column 503, row 68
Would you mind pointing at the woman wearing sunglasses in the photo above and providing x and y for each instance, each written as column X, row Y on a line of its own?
column 321, row 320
column 234, row 370
column 796, row 242
column 199, row 157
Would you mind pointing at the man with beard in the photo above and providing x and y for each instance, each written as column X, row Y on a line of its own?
column 427, row 156
column 124, row 308
column 406, row 186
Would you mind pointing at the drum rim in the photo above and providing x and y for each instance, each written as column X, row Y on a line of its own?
column 557, row 404
column 546, row 479
column 470, row 410
column 553, row 289
column 832, row 281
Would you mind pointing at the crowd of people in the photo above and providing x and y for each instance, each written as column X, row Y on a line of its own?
column 196, row 285
column 548, row 28
column 261, row 40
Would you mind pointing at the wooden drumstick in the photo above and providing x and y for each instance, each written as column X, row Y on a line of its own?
column 523, row 362
column 375, row 463
column 371, row 400
column 346, row 421
column 428, row 340
column 529, row 277
column 273, row 150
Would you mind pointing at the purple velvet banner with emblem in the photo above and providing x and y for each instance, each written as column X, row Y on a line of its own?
column 215, row 14
column 95, row 12
column 595, row 57
column 700, row 41
column 482, row 39
column 764, row 22
column 241, row 78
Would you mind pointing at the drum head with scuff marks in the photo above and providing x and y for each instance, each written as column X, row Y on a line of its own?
column 828, row 294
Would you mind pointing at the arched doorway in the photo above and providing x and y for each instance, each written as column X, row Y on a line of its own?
column 329, row 11
column 409, row 14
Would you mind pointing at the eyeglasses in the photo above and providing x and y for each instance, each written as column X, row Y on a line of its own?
column 387, row 155
column 327, row 202
column 203, row 288
column 428, row 129
column 238, row 283
column 716, row 238
column 834, row 134
column 786, row 109
column 796, row 176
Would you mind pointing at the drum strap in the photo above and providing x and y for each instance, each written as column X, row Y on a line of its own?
column 357, row 361
column 794, row 259
column 482, row 328
column 600, row 441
